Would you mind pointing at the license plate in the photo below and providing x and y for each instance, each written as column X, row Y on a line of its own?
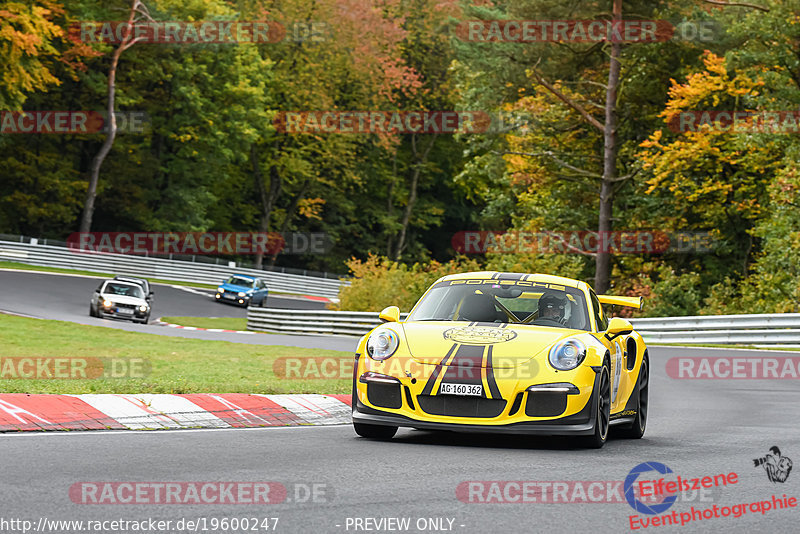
column 228, row 296
column 125, row 311
column 474, row 390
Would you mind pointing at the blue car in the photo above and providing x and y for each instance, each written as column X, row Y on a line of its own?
column 244, row 290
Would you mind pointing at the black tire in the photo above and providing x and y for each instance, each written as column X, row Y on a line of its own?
column 91, row 311
column 375, row 431
column 602, row 402
column 263, row 303
column 637, row 428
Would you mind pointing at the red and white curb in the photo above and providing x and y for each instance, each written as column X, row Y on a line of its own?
column 173, row 325
column 146, row 411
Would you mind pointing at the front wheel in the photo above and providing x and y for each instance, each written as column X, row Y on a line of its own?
column 637, row 428
column 91, row 311
column 375, row 431
column 603, row 415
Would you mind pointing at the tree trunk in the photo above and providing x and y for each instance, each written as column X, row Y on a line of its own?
column 289, row 214
column 419, row 160
column 97, row 162
column 268, row 198
column 390, row 206
column 602, row 273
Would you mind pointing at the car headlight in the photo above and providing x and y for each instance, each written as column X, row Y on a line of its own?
column 221, row 289
column 107, row 303
column 142, row 308
column 242, row 294
column 382, row 344
column 567, row 354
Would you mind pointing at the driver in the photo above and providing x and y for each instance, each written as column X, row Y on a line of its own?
column 553, row 306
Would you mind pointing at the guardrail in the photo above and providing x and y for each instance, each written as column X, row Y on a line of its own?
column 766, row 329
column 148, row 267
column 312, row 321
column 724, row 329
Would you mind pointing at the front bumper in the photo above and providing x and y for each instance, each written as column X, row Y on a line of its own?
column 115, row 313
column 232, row 298
column 580, row 424
column 512, row 408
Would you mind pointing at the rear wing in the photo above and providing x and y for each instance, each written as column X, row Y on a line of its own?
column 630, row 302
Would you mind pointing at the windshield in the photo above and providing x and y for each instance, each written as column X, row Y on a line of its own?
column 239, row 281
column 515, row 302
column 126, row 290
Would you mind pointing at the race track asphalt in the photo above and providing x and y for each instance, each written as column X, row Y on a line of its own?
column 66, row 298
column 697, row 428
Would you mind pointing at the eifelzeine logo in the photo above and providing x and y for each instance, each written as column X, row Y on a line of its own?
column 777, row 466
column 479, row 335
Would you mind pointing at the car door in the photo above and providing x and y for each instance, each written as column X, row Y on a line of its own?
column 261, row 289
column 96, row 294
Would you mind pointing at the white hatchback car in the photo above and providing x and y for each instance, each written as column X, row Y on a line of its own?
column 125, row 300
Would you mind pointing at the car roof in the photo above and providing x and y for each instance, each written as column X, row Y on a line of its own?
column 251, row 277
column 496, row 275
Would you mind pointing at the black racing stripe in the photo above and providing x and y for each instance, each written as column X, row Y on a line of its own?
column 490, row 381
column 465, row 367
column 438, row 369
column 495, row 276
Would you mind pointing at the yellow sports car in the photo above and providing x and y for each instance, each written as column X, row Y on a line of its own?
column 504, row 352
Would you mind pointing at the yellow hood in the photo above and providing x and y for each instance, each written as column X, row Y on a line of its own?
column 512, row 344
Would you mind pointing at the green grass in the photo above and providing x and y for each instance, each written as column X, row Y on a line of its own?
column 226, row 323
column 177, row 365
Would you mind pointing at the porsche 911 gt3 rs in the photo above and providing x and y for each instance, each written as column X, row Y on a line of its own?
column 504, row 352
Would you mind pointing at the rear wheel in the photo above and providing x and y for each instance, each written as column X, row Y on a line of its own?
column 603, row 415
column 375, row 431
column 637, row 428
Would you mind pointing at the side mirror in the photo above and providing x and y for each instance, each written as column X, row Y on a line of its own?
column 390, row 314
column 618, row 327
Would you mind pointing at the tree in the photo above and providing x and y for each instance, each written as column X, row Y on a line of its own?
column 137, row 14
